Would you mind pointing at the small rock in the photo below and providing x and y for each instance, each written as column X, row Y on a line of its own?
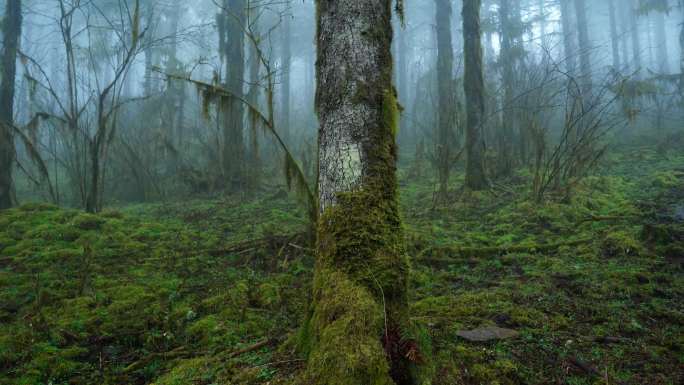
column 488, row 333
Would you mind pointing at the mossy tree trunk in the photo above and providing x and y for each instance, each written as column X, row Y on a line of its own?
column 475, row 178
column 232, row 50
column 11, row 31
column 402, row 81
column 358, row 329
column 445, row 94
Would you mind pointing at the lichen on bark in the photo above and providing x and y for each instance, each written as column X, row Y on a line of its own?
column 358, row 329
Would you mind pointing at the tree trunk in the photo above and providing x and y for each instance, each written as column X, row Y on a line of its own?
column 286, row 67
column 232, row 49
column 624, row 37
column 253, row 97
column 681, row 55
column 634, row 33
column 475, row 178
column 402, row 79
column 445, row 92
column 584, row 46
column 11, row 32
column 661, row 40
column 614, row 38
column 506, row 57
column 542, row 23
column 568, row 36
column 357, row 331
column 93, row 194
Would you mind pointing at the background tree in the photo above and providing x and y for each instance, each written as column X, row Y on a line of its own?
column 231, row 24
column 475, row 178
column 614, row 37
column 11, row 32
column 445, row 91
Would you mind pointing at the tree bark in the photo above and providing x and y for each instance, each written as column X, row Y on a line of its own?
column 402, row 79
column 475, row 178
column 584, row 46
column 445, row 92
column 286, row 59
column 634, row 33
column 232, row 47
column 661, row 40
column 507, row 58
column 681, row 54
column 614, row 38
column 542, row 23
column 568, row 37
column 357, row 331
column 11, row 33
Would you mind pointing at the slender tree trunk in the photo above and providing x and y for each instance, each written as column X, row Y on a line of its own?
column 614, row 38
column 584, row 46
column 93, row 195
column 445, row 92
column 11, row 33
column 506, row 57
column 542, row 22
column 634, row 33
column 253, row 97
column 661, row 40
column 475, row 178
column 624, row 37
column 681, row 54
column 357, row 330
column 232, row 48
column 286, row 67
column 569, row 45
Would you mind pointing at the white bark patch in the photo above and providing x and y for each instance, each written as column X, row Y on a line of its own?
column 349, row 67
column 341, row 157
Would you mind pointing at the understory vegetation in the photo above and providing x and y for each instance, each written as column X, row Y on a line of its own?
column 213, row 291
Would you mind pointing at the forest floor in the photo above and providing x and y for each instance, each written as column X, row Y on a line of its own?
column 208, row 291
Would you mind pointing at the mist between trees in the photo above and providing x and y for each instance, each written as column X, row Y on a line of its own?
column 341, row 106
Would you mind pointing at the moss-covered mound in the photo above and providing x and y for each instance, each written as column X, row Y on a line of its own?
column 214, row 292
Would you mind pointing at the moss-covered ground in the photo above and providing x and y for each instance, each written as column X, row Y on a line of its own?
column 209, row 291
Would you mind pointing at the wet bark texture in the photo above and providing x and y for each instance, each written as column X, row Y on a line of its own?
column 475, row 178
column 357, row 327
column 11, row 32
